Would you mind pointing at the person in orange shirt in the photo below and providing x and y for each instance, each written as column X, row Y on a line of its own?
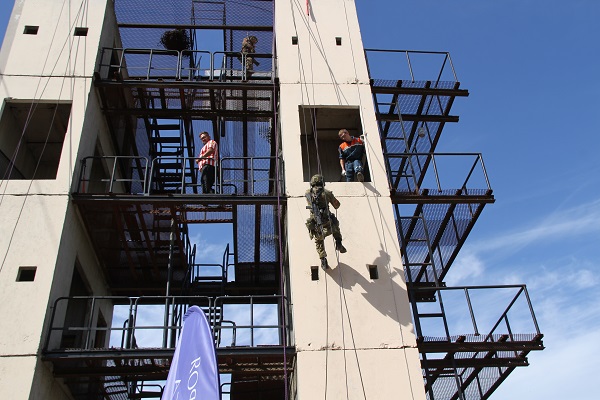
column 351, row 152
column 206, row 161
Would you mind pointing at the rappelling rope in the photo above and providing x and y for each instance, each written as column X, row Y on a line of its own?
column 383, row 239
column 35, row 101
column 304, row 92
column 30, row 114
column 343, row 303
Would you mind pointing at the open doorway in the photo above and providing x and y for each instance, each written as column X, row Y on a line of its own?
column 319, row 127
column 31, row 138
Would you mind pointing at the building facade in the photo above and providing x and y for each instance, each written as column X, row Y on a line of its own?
column 108, row 235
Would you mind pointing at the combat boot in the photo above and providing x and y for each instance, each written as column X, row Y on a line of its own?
column 339, row 246
column 324, row 263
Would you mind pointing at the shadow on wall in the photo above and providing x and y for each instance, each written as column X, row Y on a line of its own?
column 347, row 277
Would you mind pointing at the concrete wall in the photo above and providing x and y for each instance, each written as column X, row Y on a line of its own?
column 352, row 333
column 39, row 226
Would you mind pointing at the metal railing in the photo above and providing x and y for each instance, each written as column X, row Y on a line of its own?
column 185, row 65
column 409, row 173
column 174, row 174
column 208, row 273
column 113, row 174
column 428, row 63
column 250, row 175
column 253, row 176
column 196, row 64
column 260, row 320
column 517, row 313
column 79, row 326
column 480, row 350
column 151, row 322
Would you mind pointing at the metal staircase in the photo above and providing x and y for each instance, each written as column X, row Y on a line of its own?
column 434, row 216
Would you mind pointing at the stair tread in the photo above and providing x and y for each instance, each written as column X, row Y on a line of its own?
column 168, row 139
column 170, row 127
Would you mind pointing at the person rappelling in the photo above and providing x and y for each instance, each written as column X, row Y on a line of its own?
column 322, row 222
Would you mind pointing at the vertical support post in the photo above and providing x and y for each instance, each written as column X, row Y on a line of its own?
column 89, row 325
column 471, row 312
column 169, row 276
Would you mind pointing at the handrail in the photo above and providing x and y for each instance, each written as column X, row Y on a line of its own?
column 144, row 322
column 146, row 173
column 419, row 174
column 253, row 325
column 230, row 56
column 249, row 181
column 407, row 53
column 87, row 326
column 184, row 169
column 504, row 316
column 196, row 270
column 196, row 71
column 227, row 254
column 151, row 55
column 175, row 70
column 139, row 164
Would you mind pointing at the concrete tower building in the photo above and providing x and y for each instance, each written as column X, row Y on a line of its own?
column 108, row 236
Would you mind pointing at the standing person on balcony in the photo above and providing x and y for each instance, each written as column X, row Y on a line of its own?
column 206, row 162
column 352, row 151
column 248, row 48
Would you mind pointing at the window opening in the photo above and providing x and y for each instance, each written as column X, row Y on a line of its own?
column 319, row 128
column 373, row 273
column 338, row 41
column 79, row 31
column 30, row 30
column 314, row 273
column 24, row 145
column 26, row 274
column 294, row 39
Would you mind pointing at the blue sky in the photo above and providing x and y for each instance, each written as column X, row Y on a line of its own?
column 531, row 67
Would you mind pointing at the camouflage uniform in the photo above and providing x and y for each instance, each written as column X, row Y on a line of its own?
column 321, row 198
column 248, row 47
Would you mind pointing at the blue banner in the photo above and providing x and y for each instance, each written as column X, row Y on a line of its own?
column 194, row 373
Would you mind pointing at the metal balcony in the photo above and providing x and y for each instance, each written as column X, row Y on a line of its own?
column 136, row 348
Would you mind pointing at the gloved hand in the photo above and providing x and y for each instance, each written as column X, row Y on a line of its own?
column 343, row 173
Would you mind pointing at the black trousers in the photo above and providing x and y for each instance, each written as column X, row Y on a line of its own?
column 208, row 178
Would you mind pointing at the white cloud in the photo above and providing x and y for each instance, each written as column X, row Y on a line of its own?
column 576, row 221
column 556, row 261
column 210, row 245
column 471, row 267
column 562, row 371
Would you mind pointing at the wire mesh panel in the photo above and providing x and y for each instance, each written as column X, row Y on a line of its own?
column 433, row 240
column 485, row 333
column 200, row 14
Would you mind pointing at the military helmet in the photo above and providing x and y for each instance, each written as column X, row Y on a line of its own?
column 253, row 39
column 316, row 180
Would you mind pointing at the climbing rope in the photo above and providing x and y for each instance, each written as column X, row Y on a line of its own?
column 379, row 213
column 305, row 90
column 31, row 111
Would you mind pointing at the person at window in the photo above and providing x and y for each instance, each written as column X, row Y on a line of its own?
column 248, row 48
column 351, row 152
column 321, row 222
column 209, row 154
